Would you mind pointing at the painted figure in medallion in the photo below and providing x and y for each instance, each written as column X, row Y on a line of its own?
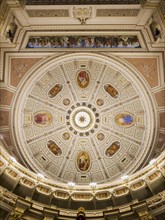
column 111, row 91
column 83, row 79
column 81, row 41
column 112, row 149
column 66, row 136
column 55, row 90
column 100, row 136
column 124, row 119
column 83, row 161
column 54, row 148
column 100, row 102
column 66, row 102
column 42, row 118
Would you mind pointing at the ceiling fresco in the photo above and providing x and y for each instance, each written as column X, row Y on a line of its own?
column 83, row 119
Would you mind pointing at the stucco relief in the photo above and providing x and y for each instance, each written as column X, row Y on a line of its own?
column 162, row 119
column 5, row 97
column 4, row 118
column 117, row 12
column 160, row 98
column 147, row 67
column 6, row 137
column 48, row 13
column 161, row 141
column 19, row 67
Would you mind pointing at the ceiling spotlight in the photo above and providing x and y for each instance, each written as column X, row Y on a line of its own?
column 40, row 175
column 152, row 162
column 12, row 160
column 93, row 185
column 125, row 178
column 71, row 185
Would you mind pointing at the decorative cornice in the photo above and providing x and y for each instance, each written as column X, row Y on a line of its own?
column 117, row 12
column 48, row 13
column 81, row 2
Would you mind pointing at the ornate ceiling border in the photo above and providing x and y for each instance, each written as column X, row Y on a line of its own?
column 47, row 65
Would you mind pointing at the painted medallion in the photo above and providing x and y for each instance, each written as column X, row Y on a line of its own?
column 111, row 91
column 124, row 119
column 66, row 136
column 100, row 102
column 112, row 149
column 55, row 90
column 83, row 161
column 83, row 79
column 100, row 136
column 42, row 118
column 54, row 148
column 66, row 102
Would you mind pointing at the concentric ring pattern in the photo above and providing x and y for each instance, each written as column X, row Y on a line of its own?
column 83, row 120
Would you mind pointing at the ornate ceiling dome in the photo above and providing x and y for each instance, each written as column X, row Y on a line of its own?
column 84, row 118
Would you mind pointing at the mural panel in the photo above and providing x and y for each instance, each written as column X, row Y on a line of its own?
column 77, row 41
column 111, row 91
column 124, row 119
column 83, row 79
column 42, row 118
column 56, row 150
column 112, row 149
column 83, row 161
column 55, row 90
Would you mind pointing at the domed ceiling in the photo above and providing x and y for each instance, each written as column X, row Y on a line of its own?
column 83, row 118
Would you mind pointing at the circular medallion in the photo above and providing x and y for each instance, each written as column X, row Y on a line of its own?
column 82, row 119
column 100, row 136
column 66, row 136
column 66, row 102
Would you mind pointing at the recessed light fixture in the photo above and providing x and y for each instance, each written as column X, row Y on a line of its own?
column 12, row 160
column 71, row 185
column 152, row 162
column 40, row 175
column 93, row 185
column 124, row 178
